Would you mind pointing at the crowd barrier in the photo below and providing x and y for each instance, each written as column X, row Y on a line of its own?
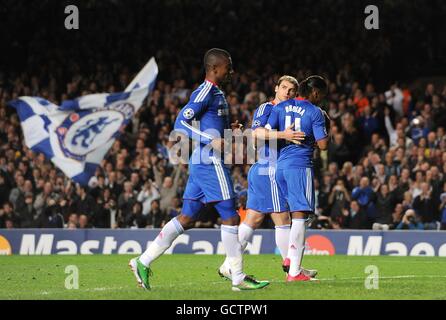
column 208, row 241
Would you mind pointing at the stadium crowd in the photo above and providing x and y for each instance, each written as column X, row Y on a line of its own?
column 385, row 167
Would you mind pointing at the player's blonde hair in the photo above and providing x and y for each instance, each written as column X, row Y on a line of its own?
column 289, row 79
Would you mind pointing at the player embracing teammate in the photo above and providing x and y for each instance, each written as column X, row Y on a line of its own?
column 264, row 195
column 297, row 125
column 294, row 174
column 281, row 182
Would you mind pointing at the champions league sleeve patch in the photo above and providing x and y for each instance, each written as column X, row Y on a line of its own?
column 189, row 113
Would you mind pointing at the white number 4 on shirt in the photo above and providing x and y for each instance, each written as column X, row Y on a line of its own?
column 297, row 122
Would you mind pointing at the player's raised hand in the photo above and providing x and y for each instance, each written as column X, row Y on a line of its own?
column 236, row 125
column 293, row 136
column 218, row 144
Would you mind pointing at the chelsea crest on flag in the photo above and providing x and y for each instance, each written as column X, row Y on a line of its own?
column 77, row 135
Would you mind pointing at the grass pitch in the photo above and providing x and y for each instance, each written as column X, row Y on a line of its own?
column 191, row 277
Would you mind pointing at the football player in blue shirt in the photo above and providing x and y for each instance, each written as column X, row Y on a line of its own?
column 209, row 179
column 294, row 174
column 263, row 193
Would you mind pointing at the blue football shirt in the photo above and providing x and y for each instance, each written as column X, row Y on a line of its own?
column 305, row 117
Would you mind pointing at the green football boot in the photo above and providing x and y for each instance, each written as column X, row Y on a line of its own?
column 141, row 272
column 249, row 283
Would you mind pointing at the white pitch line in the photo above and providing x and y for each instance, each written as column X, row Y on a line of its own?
column 45, row 293
column 187, row 284
column 387, row 277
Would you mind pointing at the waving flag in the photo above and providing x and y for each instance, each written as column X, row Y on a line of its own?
column 77, row 135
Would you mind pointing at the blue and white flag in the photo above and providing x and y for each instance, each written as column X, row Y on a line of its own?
column 77, row 135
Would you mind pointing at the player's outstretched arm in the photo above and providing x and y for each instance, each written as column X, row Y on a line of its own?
column 289, row 134
column 196, row 106
column 321, row 129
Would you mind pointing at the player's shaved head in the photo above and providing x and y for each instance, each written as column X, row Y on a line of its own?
column 312, row 83
column 215, row 57
column 313, row 89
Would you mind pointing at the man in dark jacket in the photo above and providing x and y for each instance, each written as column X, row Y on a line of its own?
column 384, row 208
column 27, row 213
column 355, row 217
column 425, row 208
column 338, row 151
column 156, row 217
column 51, row 217
column 84, row 203
column 135, row 219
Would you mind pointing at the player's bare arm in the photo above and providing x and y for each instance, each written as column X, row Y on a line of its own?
column 289, row 134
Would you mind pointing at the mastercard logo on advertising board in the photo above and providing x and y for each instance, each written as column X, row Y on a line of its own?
column 5, row 247
column 319, row 245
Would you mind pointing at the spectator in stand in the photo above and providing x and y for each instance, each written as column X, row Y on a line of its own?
column 352, row 136
column 27, row 213
column 167, row 187
column 360, row 101
column 255, row 97
column 395, row 99
column 4, row 189
column 126, row 200
column 443, row 208
column 369, row 122
column 105, row 209
column 339, row 200
column 43, row 197
column 174, row 210
column 407, row 201
column 8, row 217
column 156, row 217
column 338, row 151
column 384, row 209
column 135, row 219
column 84, row 222
column 51, row 216
column 425, row 208
column 18, row 192
column 73, row 221
column 355, row 217
column 364, row 195
column 410, row 221
column 148, row 194
column 397, row 216
column 113, row 185
column 84, row 203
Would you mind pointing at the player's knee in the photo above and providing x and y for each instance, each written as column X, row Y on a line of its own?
column 300, row 215
column 254, row 220
column 281, row 219
column 232, row 221
column 186, row 222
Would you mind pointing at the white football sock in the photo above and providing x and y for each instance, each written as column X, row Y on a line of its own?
column 245, row 233
column 229, row 237
column 166, row 237
column 283, row 239
column 296, row 246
